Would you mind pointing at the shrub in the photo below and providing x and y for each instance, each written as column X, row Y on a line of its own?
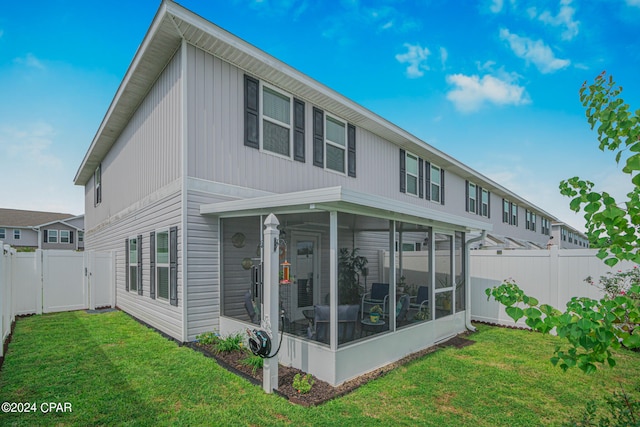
column 303, row 384
column 623, row 411
column 254, row 361
column 230, row 343
column 208, row 338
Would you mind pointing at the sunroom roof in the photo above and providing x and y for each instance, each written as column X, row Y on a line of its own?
column 342, row 200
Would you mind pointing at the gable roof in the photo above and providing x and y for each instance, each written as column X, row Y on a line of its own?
column 22, row 218
column 173, row 23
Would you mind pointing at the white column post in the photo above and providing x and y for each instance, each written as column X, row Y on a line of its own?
column 271, row 308
column 333, row 280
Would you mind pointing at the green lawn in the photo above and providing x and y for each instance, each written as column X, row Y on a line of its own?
column 112, row 370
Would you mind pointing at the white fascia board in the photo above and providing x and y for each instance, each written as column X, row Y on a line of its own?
column 339, row 199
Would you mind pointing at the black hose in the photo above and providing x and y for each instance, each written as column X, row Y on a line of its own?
column 280, row 344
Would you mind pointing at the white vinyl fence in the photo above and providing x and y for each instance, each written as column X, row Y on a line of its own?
column 552, row 276
column 47, row 281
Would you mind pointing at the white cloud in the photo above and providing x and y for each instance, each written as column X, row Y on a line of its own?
column 635, row 3
column 30, row 145
column 496, row 6
column 534, row 51
column 416, row 56
column 472, row 92
column 30, row 61
column 444, row 55
column 563, row 19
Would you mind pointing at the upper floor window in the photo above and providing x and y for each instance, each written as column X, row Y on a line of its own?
column 276, row 122
column 472, row 195
column 531, row 220
column 509, row 212
column 484, row 210
column 563, row 234
column 544, row 226
column 505, row 210
column 436, row 175
column 412, row 174
column 16, row 234
column 97, row 177
column 3, row 233
column 336, row 141
column 514, row 214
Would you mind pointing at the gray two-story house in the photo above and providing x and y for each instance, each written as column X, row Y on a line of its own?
column 207, row 135
column 24, row 229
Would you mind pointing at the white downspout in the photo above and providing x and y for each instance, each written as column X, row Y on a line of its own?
column 467, row 274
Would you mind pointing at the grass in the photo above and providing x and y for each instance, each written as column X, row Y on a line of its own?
column 115, row 371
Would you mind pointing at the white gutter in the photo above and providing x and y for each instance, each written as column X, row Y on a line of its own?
column 468, row 280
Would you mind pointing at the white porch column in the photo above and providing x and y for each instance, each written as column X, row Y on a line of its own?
column 271, row 309
column 392, row 274
column 333, row 279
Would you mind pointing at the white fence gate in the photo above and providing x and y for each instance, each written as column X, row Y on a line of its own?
column 552, row 276
column 47, row 281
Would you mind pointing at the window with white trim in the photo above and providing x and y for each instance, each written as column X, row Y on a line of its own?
column 473, row 202
column 484, row 209
column 80, row 236
column 277, row 116
column 335, row 144
column 16, row 234
column 436, row 184
column 162, row 264
column 411, row 174
column 544, row 226
column 3, row 233
column 133, row 264
column 530, row 220
column 97, row 177
column 52, row 236
column 64, row 236
column 514, row 214
column 505, row 210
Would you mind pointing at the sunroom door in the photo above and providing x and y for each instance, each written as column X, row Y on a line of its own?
column 305, row 266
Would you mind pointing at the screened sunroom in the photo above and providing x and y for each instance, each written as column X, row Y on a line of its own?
column 362, row 282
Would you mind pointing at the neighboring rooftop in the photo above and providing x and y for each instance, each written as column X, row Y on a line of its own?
column 21, row 218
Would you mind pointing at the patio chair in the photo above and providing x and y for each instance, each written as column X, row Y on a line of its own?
column 378, row 295
column 251, row 311
column 420, row 300
column 347, row 320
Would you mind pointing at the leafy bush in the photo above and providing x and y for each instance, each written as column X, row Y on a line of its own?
column 303, row 383
column 230, row 343
column 623, row 408
column 254, row 361
column 208, row 338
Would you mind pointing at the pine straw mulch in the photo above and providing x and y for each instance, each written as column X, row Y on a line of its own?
column 321, row 391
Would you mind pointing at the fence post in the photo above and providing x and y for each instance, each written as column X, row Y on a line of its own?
column 554, row 276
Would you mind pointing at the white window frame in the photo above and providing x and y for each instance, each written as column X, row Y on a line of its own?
column 17, row 234
column 409, row 174
column 277, row 122
column 435, row 185
column 133, row 278
column 97, row 178
column 160, row 265
column 473, row 191
column 3, row 233
column 80, row 236
column 328, row 142
column 514, row 214
column 52, row 236
column 68, row 233
column 484, row 205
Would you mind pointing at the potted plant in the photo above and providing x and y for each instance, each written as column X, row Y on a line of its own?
column 350, row 265
column 375, row 313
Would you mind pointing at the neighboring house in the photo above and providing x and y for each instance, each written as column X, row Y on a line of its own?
column 567, row 237
column 207, row 135
column 41, row 230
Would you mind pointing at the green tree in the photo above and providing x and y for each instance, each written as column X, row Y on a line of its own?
column 593, row 328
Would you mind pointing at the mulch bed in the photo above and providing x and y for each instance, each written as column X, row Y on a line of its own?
column 321, row 391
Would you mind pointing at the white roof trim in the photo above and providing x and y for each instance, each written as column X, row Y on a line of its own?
column 343, row 200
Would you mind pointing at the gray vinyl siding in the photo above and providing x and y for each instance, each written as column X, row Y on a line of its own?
column 159, row 214
column 28, row 237
column 147, row 155
column 59, row 227
column 203, row 291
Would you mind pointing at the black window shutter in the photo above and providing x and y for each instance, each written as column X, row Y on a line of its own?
column 46, row 236
column 173, row 266
column 152, row 265
column 427, row 166
column 318, row 137
column 511, row 213
column 351, row 155
column 139, row 264
column 488, row 204
column 466, row 195
column 298, row 130
column 420, row 178
column 251, row 112
column 442, row 186
column 126, row 263
column 403, row 171
column 71, row 237
column 478, row 200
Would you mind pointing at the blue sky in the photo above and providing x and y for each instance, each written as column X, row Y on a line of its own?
column 493, row 83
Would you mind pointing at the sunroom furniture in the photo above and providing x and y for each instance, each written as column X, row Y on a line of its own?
column 378, row 295
column 421, row 300
column 347, row 319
